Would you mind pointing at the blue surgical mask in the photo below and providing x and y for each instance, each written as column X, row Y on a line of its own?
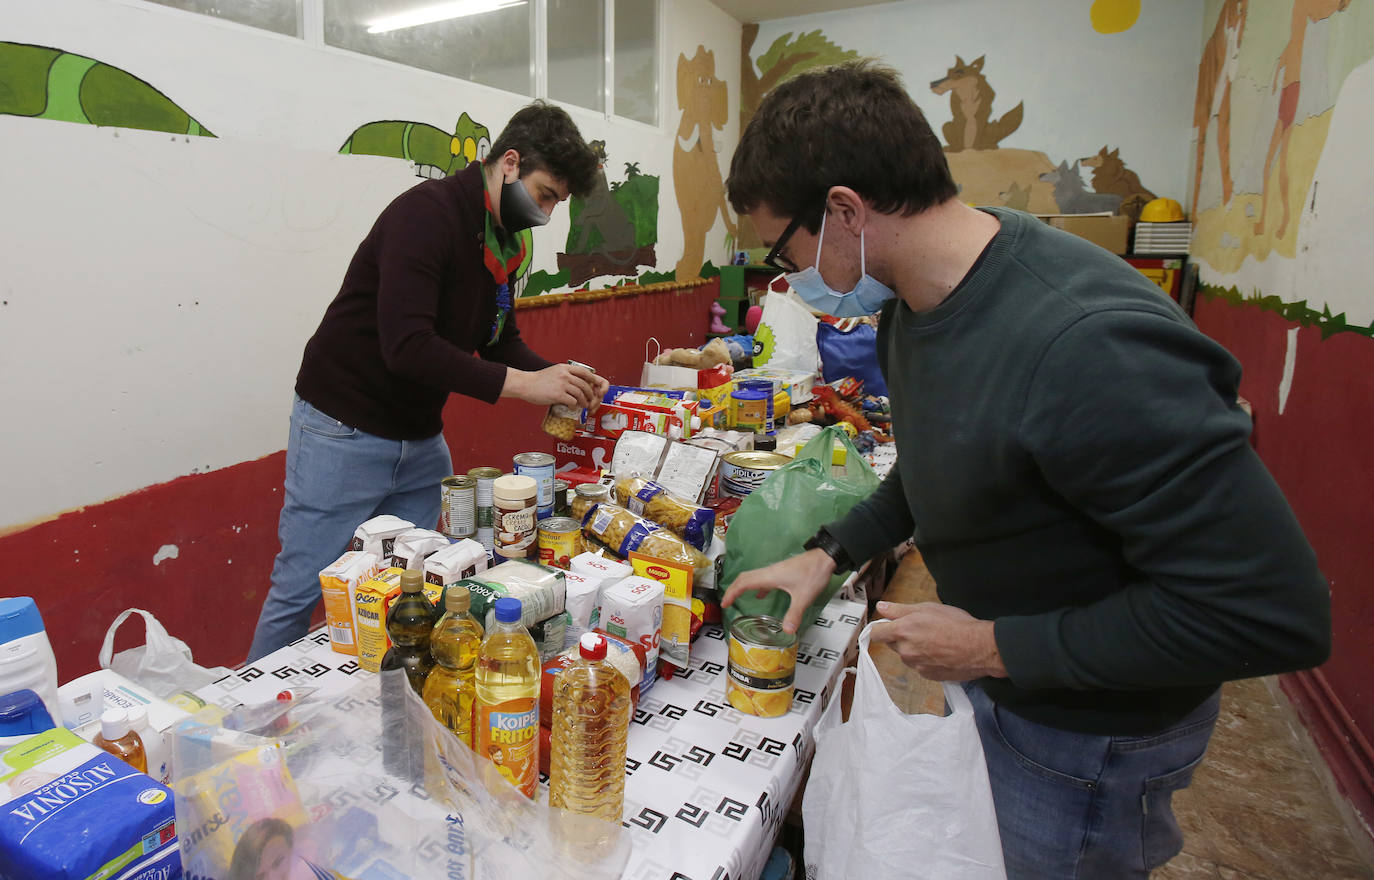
column 866, row 298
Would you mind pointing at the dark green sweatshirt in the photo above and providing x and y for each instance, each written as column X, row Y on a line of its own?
column 1073, row 465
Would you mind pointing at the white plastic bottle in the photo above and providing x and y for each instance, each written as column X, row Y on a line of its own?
column 26, row 658
column 154, row 745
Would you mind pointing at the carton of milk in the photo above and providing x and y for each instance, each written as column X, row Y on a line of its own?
column 633, row 609
column 68, row 809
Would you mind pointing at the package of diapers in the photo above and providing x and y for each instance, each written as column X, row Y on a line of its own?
column 69, row 811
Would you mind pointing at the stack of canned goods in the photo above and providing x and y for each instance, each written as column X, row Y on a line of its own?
column 458, row 506
column 486, row 518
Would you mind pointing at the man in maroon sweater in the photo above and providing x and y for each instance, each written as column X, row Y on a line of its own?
column 425, row 309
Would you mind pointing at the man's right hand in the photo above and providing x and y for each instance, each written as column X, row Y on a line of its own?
column 804, row 577
column 560, row 383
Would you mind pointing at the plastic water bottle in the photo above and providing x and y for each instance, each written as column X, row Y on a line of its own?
column 508, row 699
column 26, row 658
column 591, row 720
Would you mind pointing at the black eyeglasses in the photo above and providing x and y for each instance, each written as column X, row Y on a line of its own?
column 775, row 259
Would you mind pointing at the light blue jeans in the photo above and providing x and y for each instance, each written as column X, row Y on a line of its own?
column 337, row 477
column 1076, row 806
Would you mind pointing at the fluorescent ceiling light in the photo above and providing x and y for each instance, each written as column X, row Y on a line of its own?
column 437, row 12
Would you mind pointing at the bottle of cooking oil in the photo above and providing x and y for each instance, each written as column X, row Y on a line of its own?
column 409, row 623
column 508, row 698
column 451, row 688
column 591, row 720
column 117, row 738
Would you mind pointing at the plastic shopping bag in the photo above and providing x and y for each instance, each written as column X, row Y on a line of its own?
column 849, row 347
column 163, row 664
column 786, row 335
column 897, row 795
column 780, row 515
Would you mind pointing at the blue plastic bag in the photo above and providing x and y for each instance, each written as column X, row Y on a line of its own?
column 852, row 351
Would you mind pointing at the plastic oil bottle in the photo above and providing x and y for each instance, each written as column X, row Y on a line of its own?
column 117, row 738
column 591, row 720
column 508, row 699
column 409, row 623
column 451, row 688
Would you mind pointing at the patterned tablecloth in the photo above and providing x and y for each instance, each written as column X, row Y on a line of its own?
column 708, row 787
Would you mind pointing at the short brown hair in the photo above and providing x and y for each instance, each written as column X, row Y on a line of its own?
column 850, row 125
column 548, row 140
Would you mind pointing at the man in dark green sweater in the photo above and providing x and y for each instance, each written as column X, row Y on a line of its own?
column 1071, row 461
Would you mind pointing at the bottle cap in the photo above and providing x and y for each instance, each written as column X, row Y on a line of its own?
column 592, row 646
column 508, row 609
column 457, row 600
column 114, row 723
column 23, row 713
column 412, row 581
column 138, row 717
column 19, row 617
column 514, row 487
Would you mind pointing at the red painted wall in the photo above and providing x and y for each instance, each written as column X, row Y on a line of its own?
column 1319, row 451
column 87, row 565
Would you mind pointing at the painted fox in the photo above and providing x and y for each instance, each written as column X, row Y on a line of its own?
column 1110, row 175
column 970, row 100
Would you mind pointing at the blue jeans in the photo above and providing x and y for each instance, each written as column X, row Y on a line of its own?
column 1075, row 806
column 337, row 477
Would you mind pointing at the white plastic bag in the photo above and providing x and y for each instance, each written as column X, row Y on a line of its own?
column 897, row 795
column 162, row 664
column 786, row 335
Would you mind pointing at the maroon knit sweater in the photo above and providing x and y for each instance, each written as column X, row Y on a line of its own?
column 411, row 321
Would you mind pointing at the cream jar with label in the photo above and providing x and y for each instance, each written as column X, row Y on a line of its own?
column 515, row 503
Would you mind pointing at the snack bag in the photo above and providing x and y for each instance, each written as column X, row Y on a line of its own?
column 621, row 531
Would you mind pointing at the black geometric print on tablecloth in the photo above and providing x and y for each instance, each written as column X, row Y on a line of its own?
column 710, row 709
column 816, row 657
column 647, row 818
column 381, row 792
column 350, row 667
column 802, row 697
column 850, row 619
column 714, row 813
column 824, row 622
column 250, row 673
column 720, row 873
column 738, row 751
column 631, row 765
column 712, row 632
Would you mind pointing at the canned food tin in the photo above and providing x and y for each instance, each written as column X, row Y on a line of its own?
column 586, row 495
column 762, row 665
column 486, row 536
column 538, row 465
column 750, row 407
column 484, row 476
column 458, row 506
column 743, row 472
column 562, row 496
column 764, row 386
column 559, row 541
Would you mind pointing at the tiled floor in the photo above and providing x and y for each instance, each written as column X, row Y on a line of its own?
column 1257, row 809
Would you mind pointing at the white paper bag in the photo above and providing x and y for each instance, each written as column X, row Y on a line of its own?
column 162, row 664
column 786, row 335
column 897, row 795
column 664, row 375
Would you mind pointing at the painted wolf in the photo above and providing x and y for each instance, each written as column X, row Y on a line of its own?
column 970, row 100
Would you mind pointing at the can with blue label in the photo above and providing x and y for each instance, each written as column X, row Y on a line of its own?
column 539, row 466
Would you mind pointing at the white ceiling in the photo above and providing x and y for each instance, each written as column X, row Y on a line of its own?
column 763, row 10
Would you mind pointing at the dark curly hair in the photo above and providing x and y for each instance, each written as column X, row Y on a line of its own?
column 548, row 140
column 850, row 125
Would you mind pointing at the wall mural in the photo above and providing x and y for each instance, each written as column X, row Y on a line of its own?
column 1266, row 100
column 436, row 154
column 704, row 103
column 986, row 172
column 45, row 83
column 614, row 229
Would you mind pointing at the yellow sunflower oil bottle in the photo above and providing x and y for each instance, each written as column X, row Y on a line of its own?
column 451, row 688
column 591, row 720
column 508, row 699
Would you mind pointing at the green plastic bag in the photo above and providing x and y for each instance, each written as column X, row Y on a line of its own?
column 780, row 515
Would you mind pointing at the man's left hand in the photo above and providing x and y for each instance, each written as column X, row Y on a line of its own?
column 940, row 642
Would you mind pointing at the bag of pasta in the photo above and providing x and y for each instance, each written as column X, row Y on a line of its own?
column 621, row 531
column 648, row 499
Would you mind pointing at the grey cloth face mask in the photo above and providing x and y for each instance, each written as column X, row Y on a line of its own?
column 519, row 210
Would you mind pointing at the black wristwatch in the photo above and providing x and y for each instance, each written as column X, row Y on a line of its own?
column 826, row 541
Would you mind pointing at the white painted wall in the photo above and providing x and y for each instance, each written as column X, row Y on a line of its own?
column 1082, row 89
column 157, row 290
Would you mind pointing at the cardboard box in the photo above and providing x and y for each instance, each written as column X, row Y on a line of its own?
column 1109, row 231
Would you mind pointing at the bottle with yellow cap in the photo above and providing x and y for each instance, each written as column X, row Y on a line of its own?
column 450, row 690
